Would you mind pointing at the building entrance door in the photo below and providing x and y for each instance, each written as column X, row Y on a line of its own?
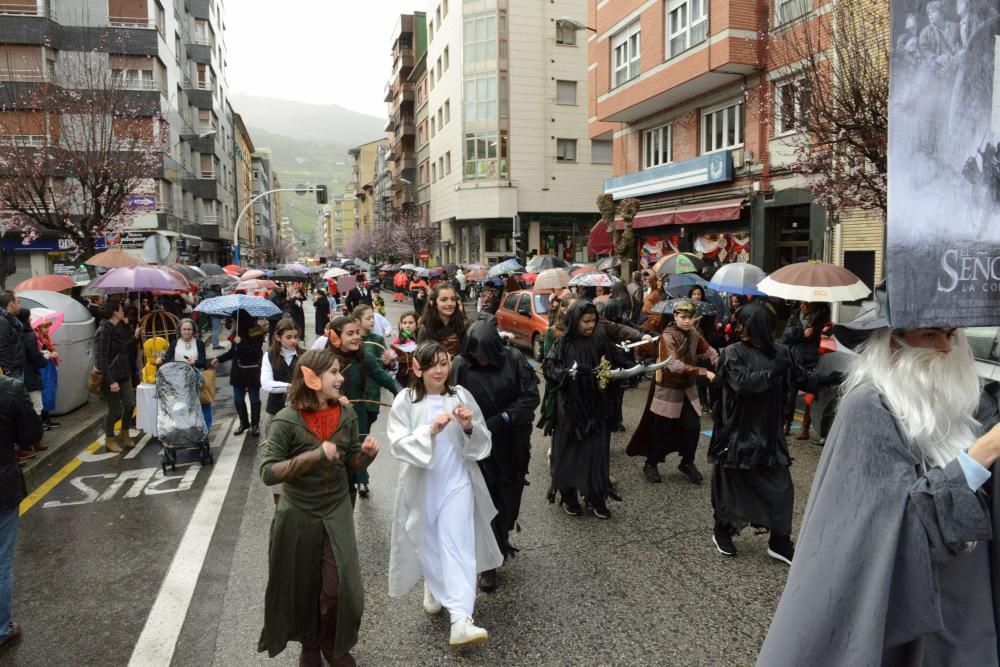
column 791, row 230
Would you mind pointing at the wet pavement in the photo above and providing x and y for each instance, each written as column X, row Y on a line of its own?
column 119, row 563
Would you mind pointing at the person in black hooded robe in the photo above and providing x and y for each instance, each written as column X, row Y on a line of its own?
column 580, row 439
column 506, row 390
column 751, row 483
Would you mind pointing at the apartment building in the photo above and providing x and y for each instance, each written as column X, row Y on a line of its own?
column 344, row 218
column 699, row 98
column 409, row 46
column 508, row 131
column 264, row 213
column 363, row 174
column 243, row 158
column 166, row 54
column 421, row 118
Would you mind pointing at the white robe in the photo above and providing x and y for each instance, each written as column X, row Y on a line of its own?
column 411, row 442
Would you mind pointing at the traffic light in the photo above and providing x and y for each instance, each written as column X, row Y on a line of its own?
column 321, row 197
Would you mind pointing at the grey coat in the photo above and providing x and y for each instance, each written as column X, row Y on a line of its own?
column 893, row 564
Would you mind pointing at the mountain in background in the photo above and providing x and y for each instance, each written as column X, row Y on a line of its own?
column 326, row 123
column 309, row 144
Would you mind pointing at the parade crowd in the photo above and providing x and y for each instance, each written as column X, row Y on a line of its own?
column 894, row 558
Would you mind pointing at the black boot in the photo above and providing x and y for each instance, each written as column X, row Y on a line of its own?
column 255, row 418
column 241, row 411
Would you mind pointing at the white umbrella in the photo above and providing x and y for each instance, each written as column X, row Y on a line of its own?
column 334, row 273
column 814, row 281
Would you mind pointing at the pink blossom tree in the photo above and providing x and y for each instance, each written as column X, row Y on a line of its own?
column 74, row 151
column 408, row 234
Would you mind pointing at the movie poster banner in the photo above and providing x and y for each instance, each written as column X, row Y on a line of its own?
column 943, row 258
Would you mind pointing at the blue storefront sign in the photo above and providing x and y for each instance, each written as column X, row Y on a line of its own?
column 50, row 244
column 702, row 170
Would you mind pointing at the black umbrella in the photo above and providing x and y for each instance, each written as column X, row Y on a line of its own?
column 539, row 263
column 212, row 270
column 450, row 268
column 219, row 281
column 702, row 308
column 289, row 276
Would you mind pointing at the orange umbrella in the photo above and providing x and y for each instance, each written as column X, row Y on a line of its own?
column 232, row 269
column 114, row 259
column 49, row 283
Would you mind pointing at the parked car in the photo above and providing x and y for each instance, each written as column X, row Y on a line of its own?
column 525, row 316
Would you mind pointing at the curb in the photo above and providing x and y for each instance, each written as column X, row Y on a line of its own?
column 63, row 442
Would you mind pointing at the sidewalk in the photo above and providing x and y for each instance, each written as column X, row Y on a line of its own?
column 79, row 428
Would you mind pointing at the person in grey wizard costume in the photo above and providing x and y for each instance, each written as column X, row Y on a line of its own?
column 896, row 562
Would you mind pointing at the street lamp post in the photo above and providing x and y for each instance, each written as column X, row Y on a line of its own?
column 253, row 200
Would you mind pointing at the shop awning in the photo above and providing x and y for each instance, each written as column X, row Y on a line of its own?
column 716, row 211
column 600, row 242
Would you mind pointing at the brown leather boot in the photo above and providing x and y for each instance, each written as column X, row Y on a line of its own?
column 111, row 444
column 126, row 439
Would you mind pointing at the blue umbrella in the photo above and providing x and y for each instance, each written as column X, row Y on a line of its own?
column 505, row 267
column 227, row 305
column 738, row 278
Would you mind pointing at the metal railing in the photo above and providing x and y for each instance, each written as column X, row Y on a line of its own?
column 143, row 22
column 23, row 75
column 39, row 11
column 208, row 174
column 208, row 220
column 136, row 84
column 206, row 85
column 23, row 140
column 201, row 40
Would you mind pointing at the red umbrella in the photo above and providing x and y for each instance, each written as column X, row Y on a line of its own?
column 48, row 283
column 252, row 285
column 232, row 269
column 529, row 278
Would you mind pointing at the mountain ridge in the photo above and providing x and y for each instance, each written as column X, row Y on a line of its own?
column 324, row 123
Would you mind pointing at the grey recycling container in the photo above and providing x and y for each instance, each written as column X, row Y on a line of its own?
column 74, row 342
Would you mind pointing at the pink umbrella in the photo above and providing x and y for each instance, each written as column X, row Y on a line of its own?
column 252, row 273
column 297, row 266
column 41, row 315
column 140, row 278
column 251, row 285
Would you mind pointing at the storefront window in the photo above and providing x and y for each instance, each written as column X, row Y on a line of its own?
column 499, row 241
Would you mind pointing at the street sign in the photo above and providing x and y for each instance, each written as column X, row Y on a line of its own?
column 141, row 203
column 424, row 255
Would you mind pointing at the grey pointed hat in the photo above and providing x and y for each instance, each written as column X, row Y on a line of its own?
column 874, row 315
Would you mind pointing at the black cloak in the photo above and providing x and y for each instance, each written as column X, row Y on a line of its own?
column 505, row 385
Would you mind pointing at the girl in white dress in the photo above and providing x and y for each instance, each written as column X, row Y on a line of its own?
column 441, row 525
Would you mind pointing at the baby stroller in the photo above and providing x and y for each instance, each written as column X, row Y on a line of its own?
column 179, row 420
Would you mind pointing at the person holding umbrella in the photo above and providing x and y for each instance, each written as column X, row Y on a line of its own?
column 247, row 353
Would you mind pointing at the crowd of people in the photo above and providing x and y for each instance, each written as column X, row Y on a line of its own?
column 911, row 447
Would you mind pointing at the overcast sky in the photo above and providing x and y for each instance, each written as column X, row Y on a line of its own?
column 317, row 51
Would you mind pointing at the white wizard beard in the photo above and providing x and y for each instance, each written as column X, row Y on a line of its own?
column 932, row 394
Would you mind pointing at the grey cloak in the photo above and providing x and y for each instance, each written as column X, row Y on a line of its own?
column 893, row 562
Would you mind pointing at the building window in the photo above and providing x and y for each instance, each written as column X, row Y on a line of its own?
column 565, row 92
column 789, row 10
column 447, row 111
column 440, row 117
column 480, row 37
column 481, row 97
column 722, row 128
column 601, row 152
column 441, row 167
column 434, row 172
column 447, row 58
column 565, row 34
column 566, row 150
column 430, row 31
column 657, row 146
column 447, row 162
column 432, row 125
column 687, row 25
column 438, row 68
column 625, row 54
column 485, row 156
column 444, row 9
column 437, row 17
column 792, row 98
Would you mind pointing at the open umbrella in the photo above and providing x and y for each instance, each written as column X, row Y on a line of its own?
column 362, row 264
column 334, row 273
column 191, row 273
column 505, row 267
column 48, row 283
column 297, row 266
column 552, row 279
column 219, row 281
column 232, row 269
column 254, row 284
column 814, row 281
column 256, row 306
column 539, row 263
column 410, row 267
column 529, row 278
column 738, row 278
column 678, row 262
column 450, row 268
column 252, row 273
column 608, row 263
column 475, row 267
column 583, row 268
column 140, row 278
column 594, row 279
column 475, row 275
column 114, row 258
column 212, row 269
column 289, row 276
column 39, row 315
column 667, row 306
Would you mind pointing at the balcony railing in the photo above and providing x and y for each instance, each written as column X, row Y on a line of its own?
column 200, row 40
column 208, row 174
column 22, row 75
column 132, row 22
column 137, row 84
column 205, row 85
column 9, row 9
column 208, row 220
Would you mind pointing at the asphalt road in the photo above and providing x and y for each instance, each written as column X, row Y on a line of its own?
column 119, row 564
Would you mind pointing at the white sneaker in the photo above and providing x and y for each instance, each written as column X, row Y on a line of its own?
column 465, row 632
column 431, row 606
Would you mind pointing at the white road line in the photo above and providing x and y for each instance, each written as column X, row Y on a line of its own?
column 163, row 626
column 138, row 446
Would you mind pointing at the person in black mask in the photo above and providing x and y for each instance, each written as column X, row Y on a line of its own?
column 506, row 389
